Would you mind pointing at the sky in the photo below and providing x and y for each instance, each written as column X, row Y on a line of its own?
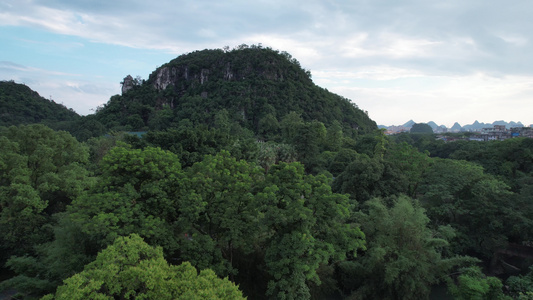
column 442, row 61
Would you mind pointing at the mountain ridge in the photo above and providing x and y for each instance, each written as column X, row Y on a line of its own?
column 19, row 104
column 475, row 126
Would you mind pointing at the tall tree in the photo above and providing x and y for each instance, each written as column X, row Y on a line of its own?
column 403, row 259
column 227, row 224
column 308, row 227
column 478, row 205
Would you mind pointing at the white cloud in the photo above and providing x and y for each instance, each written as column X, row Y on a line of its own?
column 378, row 72
column 7, row 66
column 72, row 90
column 514, row 39
column 387, row 45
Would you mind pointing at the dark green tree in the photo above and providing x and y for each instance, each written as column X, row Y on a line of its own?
column 41, row 171
column 227, row 223
column 361, row 178
column 307, row 226
column 478, row 205
column 403, row 259
column 421, row 128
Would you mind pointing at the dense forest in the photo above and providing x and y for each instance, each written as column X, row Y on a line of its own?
column 20, row 105
column 228, row 174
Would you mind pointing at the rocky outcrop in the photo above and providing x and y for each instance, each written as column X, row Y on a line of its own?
column 181, row 76
column 127, row 84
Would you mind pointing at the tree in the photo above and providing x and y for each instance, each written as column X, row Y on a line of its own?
column 403, row 259
column 41, row 171
column 132, row 269
column 290, row 125
column 227, row 223
column 421, row 128
column 478, row 205
column 268, row 127
column 138, row 192
column 307, row 226
column 410, row 164
column 361, row 178
column 473, row 284
column 340, row 160
column 521, row 285
column 334, row 136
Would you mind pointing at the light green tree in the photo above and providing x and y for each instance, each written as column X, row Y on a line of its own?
column 472, row 284
column 132, row 269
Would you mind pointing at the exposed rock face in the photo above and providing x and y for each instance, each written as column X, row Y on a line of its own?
column 127, row 84
column 204, row 76
column 183, row 75
column 228, row 74
column 170, row 75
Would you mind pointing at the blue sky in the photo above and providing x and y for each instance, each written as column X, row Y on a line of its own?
column 441, row 61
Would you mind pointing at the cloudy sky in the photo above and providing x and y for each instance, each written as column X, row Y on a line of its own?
column 441, row 61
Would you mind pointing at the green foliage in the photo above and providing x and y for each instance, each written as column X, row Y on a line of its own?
column 309, row 227
column 269, row 127
column 478, row 205
column 132, row 269
column 273, row 153
column 409, row 164
column 473, row 284
column 403, row 259
column 334, row 137
column 192, row 143
column 421, row 128
column 256, row 86
column 341, row 160
column 227, row 218
column 361, row 178
column 41, row 171
column 20, row 105
column 136, row 193
column 521, row 286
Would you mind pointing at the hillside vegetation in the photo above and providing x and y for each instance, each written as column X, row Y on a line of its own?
column 256, row 86
column 250, row 181
column 21, row 105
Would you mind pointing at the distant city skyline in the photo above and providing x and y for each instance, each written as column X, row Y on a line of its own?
column 451, row 61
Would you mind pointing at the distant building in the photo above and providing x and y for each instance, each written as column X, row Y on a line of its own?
column 500, row 133
column 396, row 129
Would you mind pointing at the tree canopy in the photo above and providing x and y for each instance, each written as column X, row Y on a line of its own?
column 132, row 269
column 243, row 168
column 421, row 128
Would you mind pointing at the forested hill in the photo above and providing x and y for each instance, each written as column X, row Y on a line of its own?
column 257, row 87
column 21, row 105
